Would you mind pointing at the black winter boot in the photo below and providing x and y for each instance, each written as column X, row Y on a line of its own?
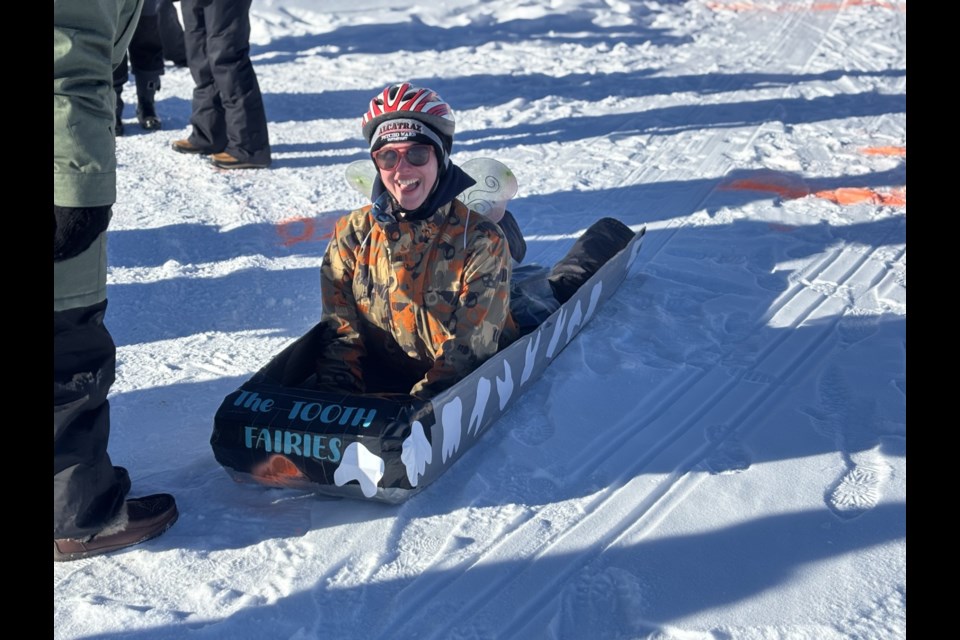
column 118, row 126
column 147, row 87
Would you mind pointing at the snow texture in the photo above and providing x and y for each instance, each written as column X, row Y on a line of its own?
column 719, row 454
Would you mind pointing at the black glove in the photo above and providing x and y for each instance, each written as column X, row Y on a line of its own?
column 75, row 229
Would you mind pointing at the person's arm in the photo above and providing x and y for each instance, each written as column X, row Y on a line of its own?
column 89, row 38
column 339, row 365
column 483, row 312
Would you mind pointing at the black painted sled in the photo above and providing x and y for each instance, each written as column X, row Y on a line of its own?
column 278, row 430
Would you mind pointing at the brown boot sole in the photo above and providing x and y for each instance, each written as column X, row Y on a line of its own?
column 70, row 549
column 226, row 161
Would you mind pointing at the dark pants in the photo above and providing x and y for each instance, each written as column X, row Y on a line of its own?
column 600, row 242
column 228, row 113
column 171, row 33
column 87, row 490
column 536, row 292
column 144, row 55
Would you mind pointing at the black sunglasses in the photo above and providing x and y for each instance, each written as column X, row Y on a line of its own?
column 417, row 155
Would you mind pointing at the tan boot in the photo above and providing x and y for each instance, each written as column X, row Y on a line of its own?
column 226, row 161
column 185, row 146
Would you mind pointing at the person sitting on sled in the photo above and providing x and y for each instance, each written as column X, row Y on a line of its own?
column 415, row 287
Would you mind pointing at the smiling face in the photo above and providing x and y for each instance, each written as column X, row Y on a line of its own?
column 409, row 184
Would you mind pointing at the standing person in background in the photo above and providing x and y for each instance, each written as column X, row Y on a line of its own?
column 171, row 33
column 145, row 56
column 228, row 118
column 91, row 514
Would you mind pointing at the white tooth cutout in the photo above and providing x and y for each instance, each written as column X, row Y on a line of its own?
column 594, row 298
column 479, row 408
column 416, row 453
column 557, row 331
column 360, row 464
column 533, row 346
column 452, row 413
column 505, row 386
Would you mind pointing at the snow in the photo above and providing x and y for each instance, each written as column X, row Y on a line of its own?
column 720, row 453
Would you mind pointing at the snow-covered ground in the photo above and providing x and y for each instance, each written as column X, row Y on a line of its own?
column 721, row 453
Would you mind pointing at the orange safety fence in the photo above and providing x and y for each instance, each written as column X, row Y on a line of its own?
column 896, row 197
column 300, row 229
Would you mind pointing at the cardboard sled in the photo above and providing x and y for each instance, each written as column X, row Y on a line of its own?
column 277, row 430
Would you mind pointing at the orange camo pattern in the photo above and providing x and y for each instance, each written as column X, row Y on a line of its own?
column 438, row 299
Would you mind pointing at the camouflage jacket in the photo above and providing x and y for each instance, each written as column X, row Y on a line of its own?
column 426, row 300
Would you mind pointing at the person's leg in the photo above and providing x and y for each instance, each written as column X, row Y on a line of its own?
column 120, row 76
column 171, row 33
column 90, row 513
column 600, row 242
column 209, row 134
column 146, row 61
column 90, row 40
column 87, row 493
column 229, row 56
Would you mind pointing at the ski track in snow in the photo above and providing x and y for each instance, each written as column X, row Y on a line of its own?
column 514, row 540
column 746, row 391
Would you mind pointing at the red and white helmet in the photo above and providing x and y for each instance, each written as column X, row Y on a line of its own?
column 404, row 100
